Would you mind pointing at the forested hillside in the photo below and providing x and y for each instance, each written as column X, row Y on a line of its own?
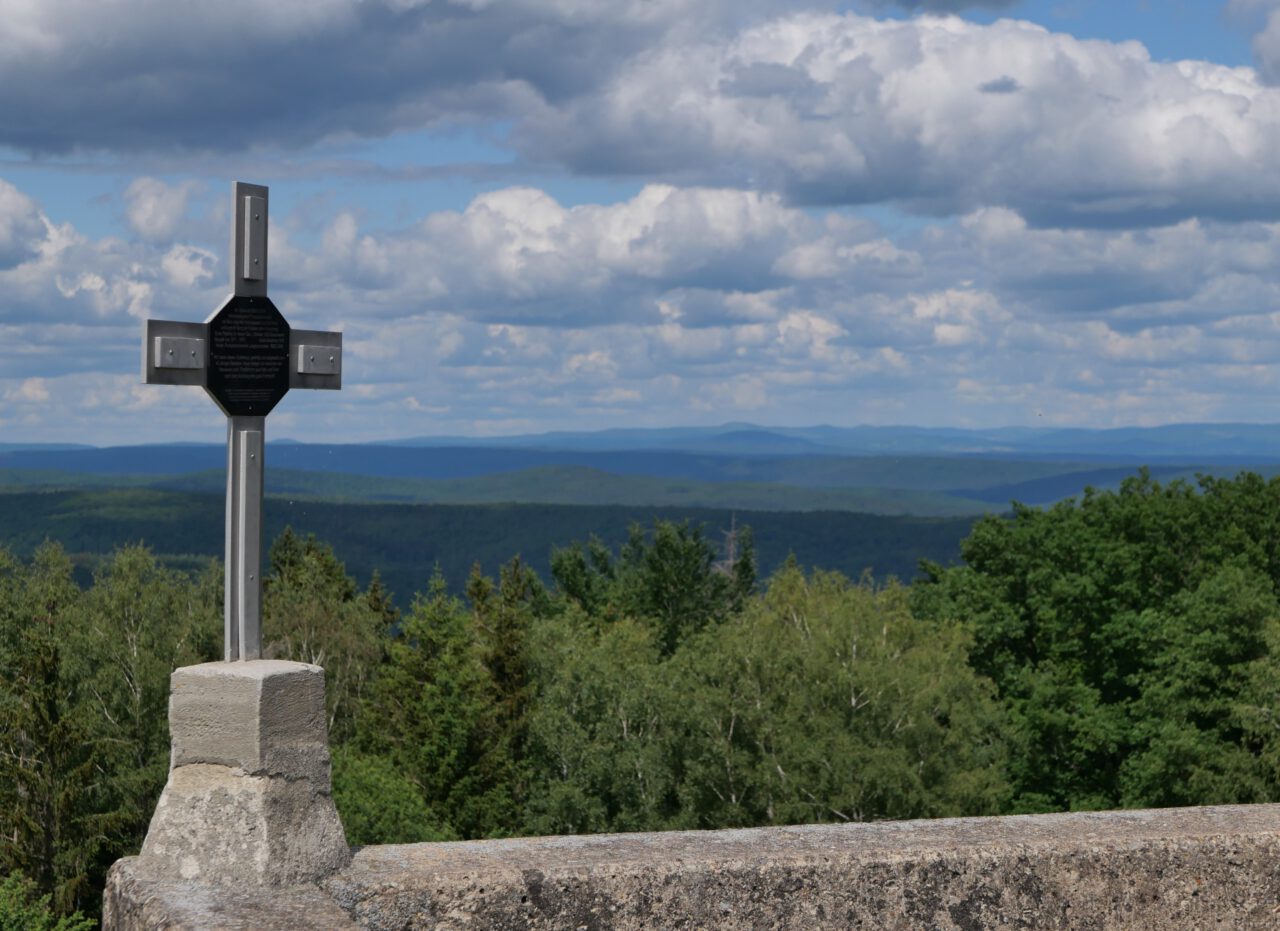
column 1121, row 650
column 746, row 470
column 407, row 543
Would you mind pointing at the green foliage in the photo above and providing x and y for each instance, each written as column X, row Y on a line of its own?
column 603, row 742
column 1190, row 748
column 1123, row 634
column 137, row 623
column 669, row 577
column 827, row 700
column 821, row 701
column 379, row 601
column 585, row 574
column 740, row 565
column 432, row 715
column 50, row 805
column 83, row 710
column 502, row 620
column 378, row 804
column 313, row 613
column 22, row 908
column 671, row 580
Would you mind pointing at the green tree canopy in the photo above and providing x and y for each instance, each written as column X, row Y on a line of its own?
column 1121, row 631
column 314, row 613
column 670, row 577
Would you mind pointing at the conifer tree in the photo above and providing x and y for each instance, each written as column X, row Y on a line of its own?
column 431, row 716
column 51, row 826
column 313, row 613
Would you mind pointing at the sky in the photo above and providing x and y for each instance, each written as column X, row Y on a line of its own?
column 531, row 215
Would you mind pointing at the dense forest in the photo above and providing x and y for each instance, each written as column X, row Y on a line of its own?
column 1119, row 650
column 406, row 543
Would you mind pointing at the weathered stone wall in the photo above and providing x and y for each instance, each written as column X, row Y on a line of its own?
column 1193, row 868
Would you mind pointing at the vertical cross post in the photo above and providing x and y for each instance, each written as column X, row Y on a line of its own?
column 246, row 356
column 246, row 447
column 242, row 611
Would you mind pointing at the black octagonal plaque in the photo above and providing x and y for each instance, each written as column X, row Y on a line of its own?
column 248, row 369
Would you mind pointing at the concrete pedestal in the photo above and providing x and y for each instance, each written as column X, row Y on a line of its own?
column 248, row 798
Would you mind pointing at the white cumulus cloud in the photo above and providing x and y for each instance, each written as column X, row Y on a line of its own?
column 154, row 209
column 935, row 113
column 21, row 226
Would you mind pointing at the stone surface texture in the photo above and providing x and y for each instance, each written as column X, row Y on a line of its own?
column 248, row 800
column 265, row 717
column 1196, row 868
column 134, row 902
column 1179, row 869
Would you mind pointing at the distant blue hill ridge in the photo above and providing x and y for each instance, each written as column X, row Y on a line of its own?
column 386, row 461
column 1221, row 442
column 15, row 447
column 730, row 452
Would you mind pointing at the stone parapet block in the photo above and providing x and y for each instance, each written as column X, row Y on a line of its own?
column 132, row 902
column 265, row 717
column 220, row 826
column 1168, row 870
column 1158, row 870
column 248, row 801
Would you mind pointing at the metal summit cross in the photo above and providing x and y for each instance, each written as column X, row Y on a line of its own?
column 246, row 357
